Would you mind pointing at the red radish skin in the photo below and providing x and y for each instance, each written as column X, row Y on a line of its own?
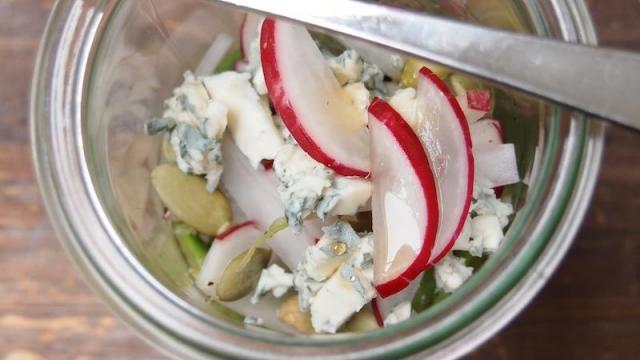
column 428, row 78
column 284, row 106
column 225, row 234
column 381, row 113
column 377, row 313
column 267, row 164
column 479, row 99
column 498, row 127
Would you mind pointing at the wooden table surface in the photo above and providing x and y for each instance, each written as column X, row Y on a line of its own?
column 589, row 310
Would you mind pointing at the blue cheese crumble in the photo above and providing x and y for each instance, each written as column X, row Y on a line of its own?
column 302, row 181
column 250, row 120
column 273, row 279
column 195, row 123
column 451, row 273
column 346, row 292
column 484, row 229
column 349, row 67
column 482, row 234
column 335, row 279
column 197, row 154
column 307, row 186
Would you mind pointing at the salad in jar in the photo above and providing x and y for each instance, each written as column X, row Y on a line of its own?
column 318, row 184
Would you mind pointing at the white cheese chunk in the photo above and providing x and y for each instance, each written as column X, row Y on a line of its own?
column 250, row 121
column 191, row 104
column 347, row 67
column 302, row 182
column 345, row 197
column 196, row 123
column 400, row 312
column 451, row 273
column 273, row 279
column 361, row 98
column 336, row 245
column 346, row 292
column 486, row 230
column 404, row 102
column 464, row 239
column 259, row 83
column 487, row 204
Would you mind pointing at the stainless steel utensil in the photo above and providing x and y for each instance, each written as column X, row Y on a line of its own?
column 598, row 81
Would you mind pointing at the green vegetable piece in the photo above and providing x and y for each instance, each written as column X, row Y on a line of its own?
column 475, row 262
column 188, row 199
column 222, row 311
column 228, row 61
column 240, row 278
column 439, row 296
column 193, row 249
column 425, row 295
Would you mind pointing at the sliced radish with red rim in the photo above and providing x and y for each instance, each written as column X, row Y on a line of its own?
column 314, row 107
column 249, row 31
column 404, row 203
column 485, row 132
column 255, row 194
column 382, row 307
column 444, row 131
column 475, row 104
column 496, row 165
column 224, row 249
column 479, row 99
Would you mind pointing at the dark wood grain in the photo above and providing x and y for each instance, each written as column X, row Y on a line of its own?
column 589, row 310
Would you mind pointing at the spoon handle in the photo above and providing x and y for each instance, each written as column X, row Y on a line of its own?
column 597, row 81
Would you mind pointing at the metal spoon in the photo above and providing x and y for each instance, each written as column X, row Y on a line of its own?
column 597, row 81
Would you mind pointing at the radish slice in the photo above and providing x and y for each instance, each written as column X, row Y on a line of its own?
column 496, row 165
column 242, row 66
column 382, row 307
column 389, row 62
column 224, row 249
column 255, row 192
column 317, row 111
column 479, row 99
column 214, row 54
column 404, row 203
column 376, row 311
column 485, row 132
column 472, row 115
column 445, row 135
column 249, row 31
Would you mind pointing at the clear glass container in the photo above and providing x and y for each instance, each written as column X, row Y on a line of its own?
column 105, row 67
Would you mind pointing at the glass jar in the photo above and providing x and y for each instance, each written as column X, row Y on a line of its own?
column 105, row 67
